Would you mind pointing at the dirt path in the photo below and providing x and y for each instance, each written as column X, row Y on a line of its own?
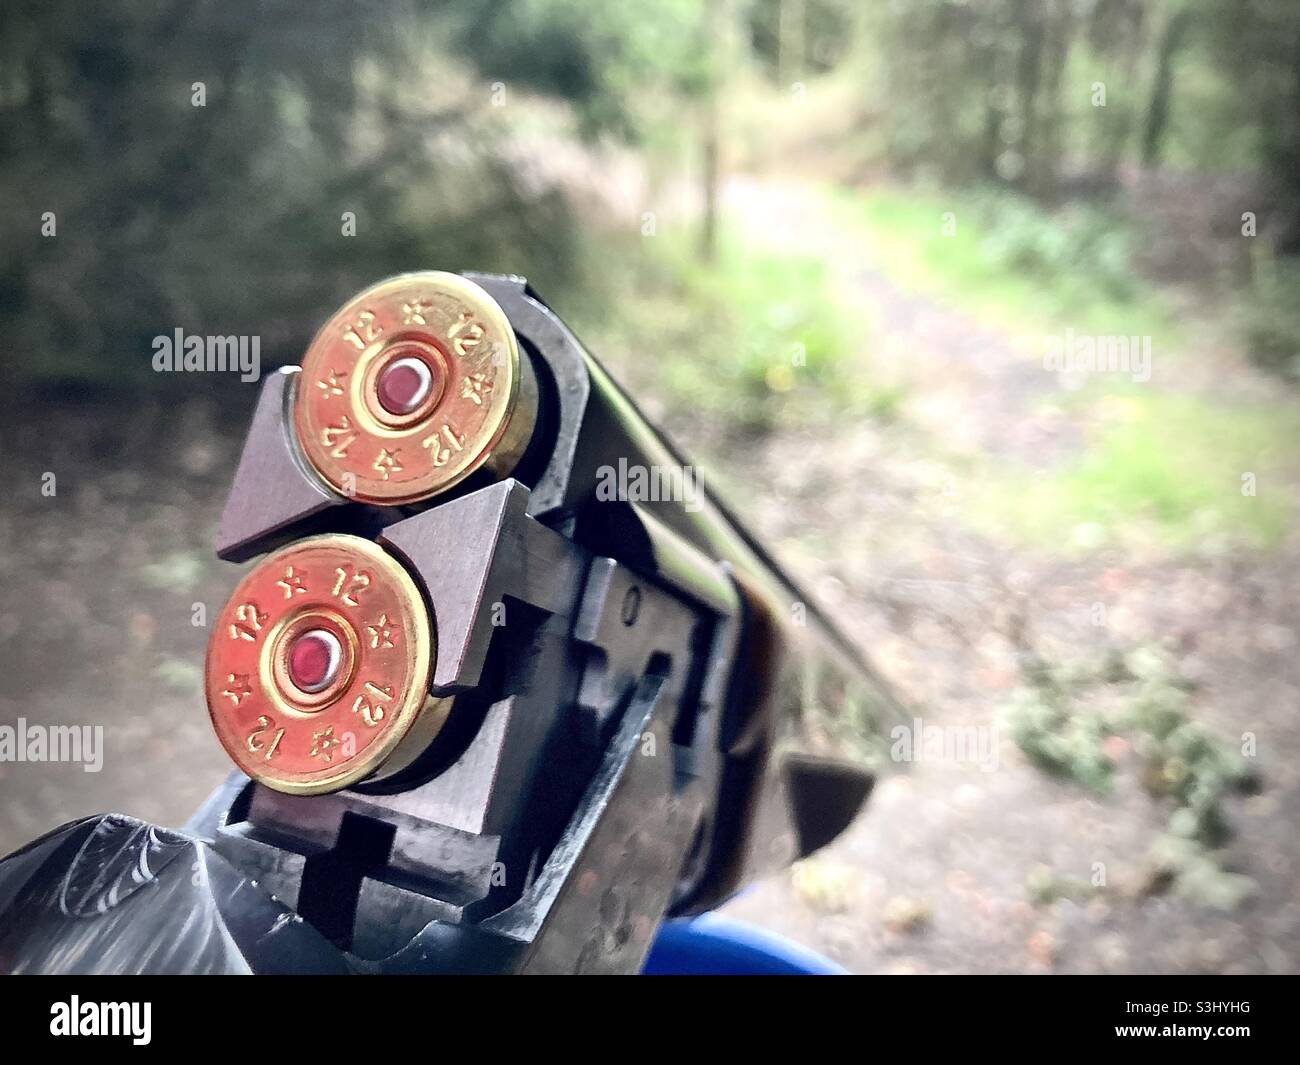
column 101, row 581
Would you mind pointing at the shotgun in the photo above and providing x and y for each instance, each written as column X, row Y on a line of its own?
column 507, row 687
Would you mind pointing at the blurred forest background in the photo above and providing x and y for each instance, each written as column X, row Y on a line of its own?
column 825, row 243
column 1096, row 132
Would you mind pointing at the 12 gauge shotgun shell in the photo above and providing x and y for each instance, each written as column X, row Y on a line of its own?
column 412, row 386
column 318, row 670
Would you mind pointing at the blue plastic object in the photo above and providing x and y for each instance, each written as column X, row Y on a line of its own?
column 713, row 945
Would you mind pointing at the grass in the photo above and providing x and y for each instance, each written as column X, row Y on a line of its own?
column 755, row 340
column 1158, row 467
column 1007, row 260
column 1167, row 468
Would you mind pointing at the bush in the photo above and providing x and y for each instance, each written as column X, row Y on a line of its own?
column 1079, row 240
column 754, row 340
column 1270, row 319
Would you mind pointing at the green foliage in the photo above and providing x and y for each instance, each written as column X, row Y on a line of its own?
column 1046, row 887
column 1010, row 93
column 1212, row 124
column 1184, row 761
column 751, row 340
column 930, row 72
column 1008, row 259
column 1061, row 718
column 785, row 330
column 1045, row 725
column 622, row 66
column 1077, row 240
column 1270, row 318
column 1161, row 467
column 1157, row 466
column 319, row 109
column 1007, row 90
column 1254, row 43
column 1198, row 874
column 793, row 42
column 388, row 111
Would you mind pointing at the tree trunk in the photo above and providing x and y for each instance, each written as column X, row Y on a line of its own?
column 1117, row 117
column 1028, row 75
column 711, row 133
column 1059, row 36
column 1289, row 239
column 1157, row 117
column 792, row 57
column 710, row 176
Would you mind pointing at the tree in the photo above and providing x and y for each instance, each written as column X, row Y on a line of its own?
column 1177, row 21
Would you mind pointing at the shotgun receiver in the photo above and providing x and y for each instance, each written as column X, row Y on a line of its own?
column 507, row 687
